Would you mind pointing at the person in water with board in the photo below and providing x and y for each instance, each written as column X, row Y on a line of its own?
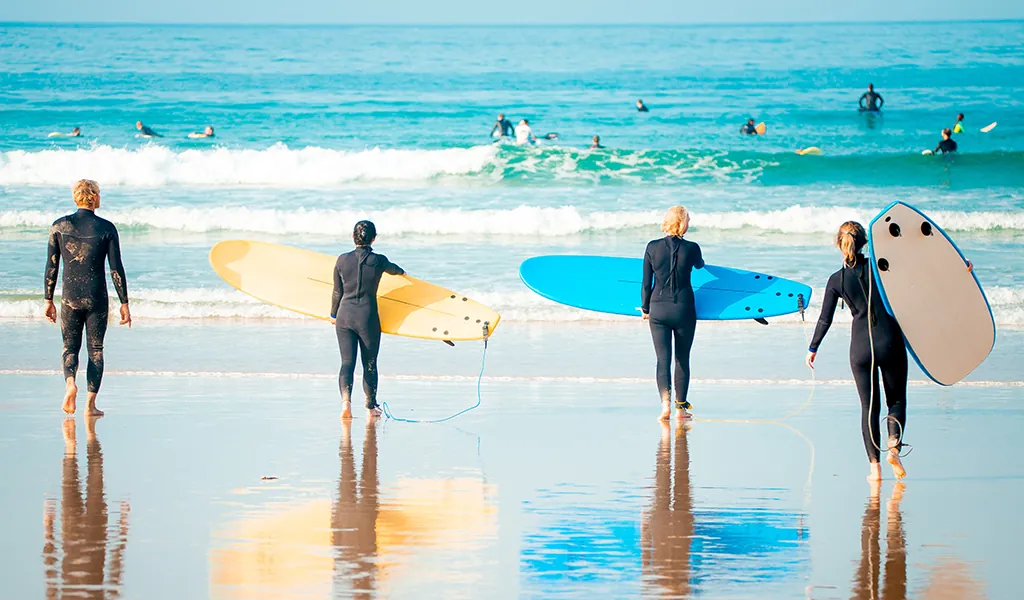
column 355, row 315
column 205, row 133
column 871, row 101
column 959, row 126
column 641, row 107
column 667, row 301
column 947, row 145
column 145, row 131
column 503, row 127
column 524, row 133
column 597, row 143
column 749, row 128
column 877, row 348
column 84, row 241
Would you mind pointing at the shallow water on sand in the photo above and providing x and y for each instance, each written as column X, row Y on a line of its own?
column 251, row 488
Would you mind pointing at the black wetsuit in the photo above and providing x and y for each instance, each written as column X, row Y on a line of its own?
column 749, row 129
column 84, row 241
column 505, row 127
column 945, row 147
column 871, row 101
column 147, row 131
column 667, row 297
column 642, row 108
column 356, row 278
column 890, row 353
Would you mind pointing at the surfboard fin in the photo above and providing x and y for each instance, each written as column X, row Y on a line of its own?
column 449, row 342
column 761, row 320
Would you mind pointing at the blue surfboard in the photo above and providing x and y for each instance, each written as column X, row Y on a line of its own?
column 612, row 285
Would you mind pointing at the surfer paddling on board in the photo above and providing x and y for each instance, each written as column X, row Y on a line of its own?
column 205, row 133
column 668, row 303
column 355, row 315
column 145, row 131
column 503, row 127
column 84, row 241
column 871, row 101
column 876, row 347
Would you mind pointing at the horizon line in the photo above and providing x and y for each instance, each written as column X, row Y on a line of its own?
column 505, row 25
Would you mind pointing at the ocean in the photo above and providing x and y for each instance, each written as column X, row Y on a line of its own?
column 222, row 452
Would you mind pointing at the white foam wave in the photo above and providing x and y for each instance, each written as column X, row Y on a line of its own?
column 277, row 166
column 517, row 305
column 519, row 221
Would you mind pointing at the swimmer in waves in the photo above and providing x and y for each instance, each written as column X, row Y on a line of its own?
column 871, row 101
column 206, row 133
column 597, row 143
column 524, row 133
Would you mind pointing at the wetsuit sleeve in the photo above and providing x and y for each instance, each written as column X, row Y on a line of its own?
column 698, row 261
column 881, row 101
column 495, row 128
column 648, row 282
column 52, row 264
column 861, row 101
column 828, row 311
column 339, row 290
column 391, row 268
column 117, row 267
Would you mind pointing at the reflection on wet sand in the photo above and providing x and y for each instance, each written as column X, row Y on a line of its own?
column 355, row 546
column 866, row 579
column 667, row 529
column 354, row 515
column 76, row 561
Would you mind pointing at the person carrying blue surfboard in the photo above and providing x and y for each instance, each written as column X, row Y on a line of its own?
column 669, row 305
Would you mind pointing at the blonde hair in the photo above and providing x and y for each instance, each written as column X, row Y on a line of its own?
column 850, row 239
column 677, row 221
column 86, row 193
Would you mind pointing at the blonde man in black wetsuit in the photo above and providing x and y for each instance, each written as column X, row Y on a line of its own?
column 84, row 241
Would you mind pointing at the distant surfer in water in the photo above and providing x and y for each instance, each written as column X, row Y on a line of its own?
column 84, row 242
column 597, row 143
column 503, row 127
column 947, row 145
column 355, row 315
column 145, row 131
column 524, row 133
column 876, row 347
column 871, row 101
column 76, row 132
column 749, row 128
column 668, row 303
column 959, row 127
column 641, row 107
column 206, row 133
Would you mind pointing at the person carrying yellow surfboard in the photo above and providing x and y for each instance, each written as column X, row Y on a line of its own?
column 751, row 129
column 355, row 315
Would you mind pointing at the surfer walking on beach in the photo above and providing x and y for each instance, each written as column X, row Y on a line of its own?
column 669, row 305
column 83, row 242
column 877, row 348
column 355, row 315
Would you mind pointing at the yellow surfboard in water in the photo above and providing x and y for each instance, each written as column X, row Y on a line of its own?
column 812, row 151
column 303, row 281
column 761, row 128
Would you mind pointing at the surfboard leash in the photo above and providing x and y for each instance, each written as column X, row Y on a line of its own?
column 479, row 381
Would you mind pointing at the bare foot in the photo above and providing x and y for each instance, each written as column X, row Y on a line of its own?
column 666, row 411
column 91, row 410
column 876, row 473
column 346, row 410
column 68, row 429
column 373, row 413
column 897, row 465
column 683, row 415
column 70, row 397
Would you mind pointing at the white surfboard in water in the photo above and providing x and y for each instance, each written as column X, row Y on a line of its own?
column 925, row 284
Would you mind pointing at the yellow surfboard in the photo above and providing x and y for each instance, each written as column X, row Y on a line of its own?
column 303, row 281
column 761, row 128
column 812, row 151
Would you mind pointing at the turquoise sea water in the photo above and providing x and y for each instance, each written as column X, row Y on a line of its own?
column 319, row 126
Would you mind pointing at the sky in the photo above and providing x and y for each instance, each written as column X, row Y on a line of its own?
column 459, row 12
